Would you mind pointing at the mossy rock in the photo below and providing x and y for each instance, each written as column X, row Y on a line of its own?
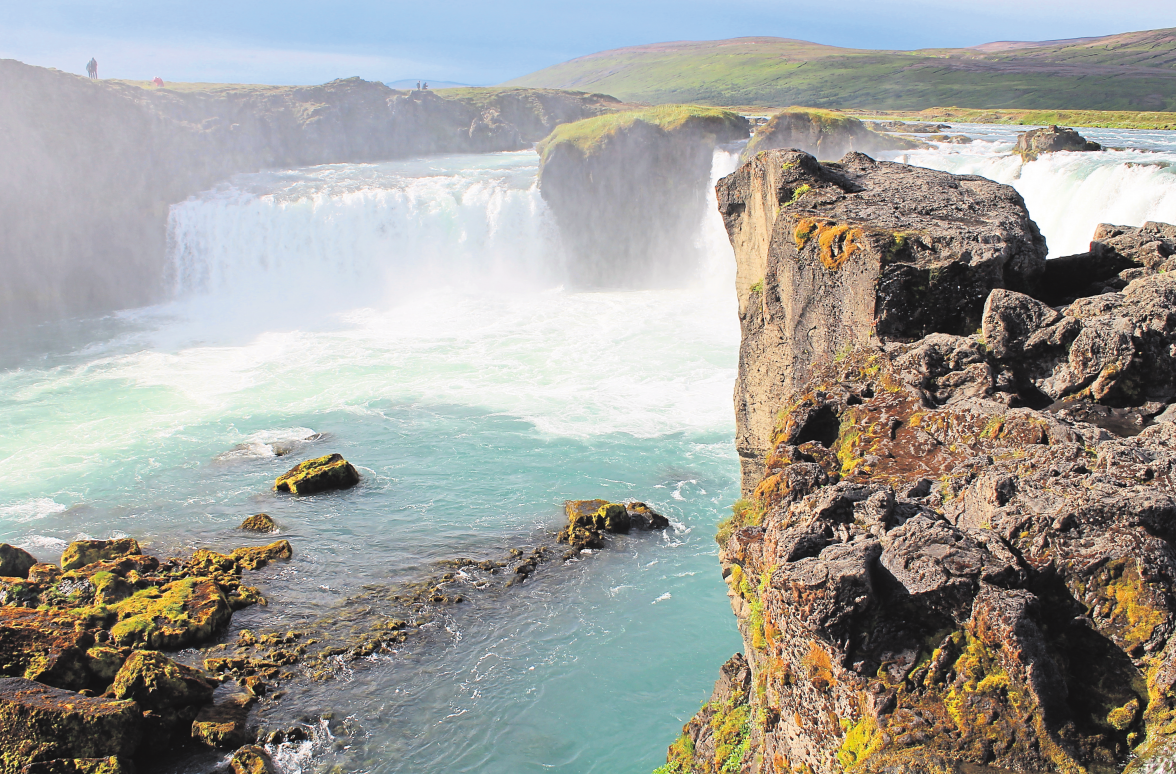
column 109, row 765
column 39, row 723
column 224, row 725
column 105, row 662
column 259, row 522
column 15, row 562
column 182, row 613
column 156, row 682
column 47, row 646
column 318, row 475
column 256, row 557
column 83, row 552
column 252, row 760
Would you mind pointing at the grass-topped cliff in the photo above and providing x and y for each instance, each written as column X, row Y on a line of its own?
column 591, row 134
column 1132, row 71
column 1111, row 119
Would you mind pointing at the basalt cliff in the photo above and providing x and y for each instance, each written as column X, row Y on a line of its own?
column 92, row 167
column 955, row 547
column 629, row 189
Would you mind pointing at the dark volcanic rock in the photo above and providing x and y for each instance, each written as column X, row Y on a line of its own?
column 628, row 192
column 108, row 765
column 156, row 682
column 39, row 723
column 831, row 255
column 225, row 724
column 251, row 760
column 822, row 133
column 1050, row 140
column 15, row 562
column 959, row 551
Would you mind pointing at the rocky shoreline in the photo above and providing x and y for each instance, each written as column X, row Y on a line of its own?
column 955, row 547
column 113, row 657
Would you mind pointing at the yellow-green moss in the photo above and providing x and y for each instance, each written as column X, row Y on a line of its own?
column 862, row 741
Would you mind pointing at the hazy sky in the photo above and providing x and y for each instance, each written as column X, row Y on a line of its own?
column 479, row 42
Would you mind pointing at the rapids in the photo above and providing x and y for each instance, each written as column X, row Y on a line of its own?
column 414, row 314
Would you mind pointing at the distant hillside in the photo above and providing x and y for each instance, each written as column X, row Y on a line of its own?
column 1132, row 71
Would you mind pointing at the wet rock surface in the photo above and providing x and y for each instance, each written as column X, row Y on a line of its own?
column 259, row 522
column 956, row 550
column 830, row 256
column 590, row 520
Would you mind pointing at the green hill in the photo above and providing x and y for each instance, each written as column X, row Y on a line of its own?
column 1132, row 71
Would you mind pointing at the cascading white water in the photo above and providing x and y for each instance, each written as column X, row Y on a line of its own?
column 1069, row 194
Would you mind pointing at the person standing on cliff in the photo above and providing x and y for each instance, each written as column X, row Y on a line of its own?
column 92, row 68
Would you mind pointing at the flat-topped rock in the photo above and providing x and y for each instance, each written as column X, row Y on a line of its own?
column 83, row 552
column 1051, row 139
column 832, row 255
column 41, row 723
column 589, row 520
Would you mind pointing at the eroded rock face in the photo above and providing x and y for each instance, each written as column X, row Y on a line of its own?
column 824, row 134
column 959, row 547
column 1051, row 139
column 40, row 723
column 84, row 552
column 15, row 562
column 108, row 765
column 831, row 256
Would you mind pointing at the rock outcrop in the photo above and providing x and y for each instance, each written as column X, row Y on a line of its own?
column 40, row 723
column 93, row 166
column 822, row 133
column 318, row 475
column 15, row 562
column 259, row 522
column 1051, row 139
column 830, row 256
column 628, row 192
column 590, row 520
column 958, row 549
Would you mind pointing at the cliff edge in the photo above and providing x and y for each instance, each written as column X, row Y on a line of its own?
column 957, row 552
column 628, row 191
column 91, row 167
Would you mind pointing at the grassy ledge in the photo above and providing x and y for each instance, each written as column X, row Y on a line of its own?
column 588, row 134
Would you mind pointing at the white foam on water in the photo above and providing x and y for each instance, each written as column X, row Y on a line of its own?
column 30, row 510
column 1068, row 194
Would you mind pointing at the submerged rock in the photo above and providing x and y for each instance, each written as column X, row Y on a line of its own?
column 83, row 552
column 825, row 134
column 259, row 522
column 40, row 723
column 15, row 562
column 1051, row 139
column 318, row 475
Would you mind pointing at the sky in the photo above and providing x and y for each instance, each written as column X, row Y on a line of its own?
column 483, row 43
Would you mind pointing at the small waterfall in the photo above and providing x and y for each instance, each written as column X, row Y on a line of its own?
column 1069, row 194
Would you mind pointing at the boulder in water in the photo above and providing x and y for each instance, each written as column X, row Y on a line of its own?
column 1051, row 139
column 42, row 723
column 256, row 557
column 318, row 475
column 181, row 613
column 588, row 520
column 259, row 522
column 252, row 760
column 83, row 552
column 15, row 562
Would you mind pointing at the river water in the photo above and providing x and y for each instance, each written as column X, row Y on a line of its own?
column 414, row 313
